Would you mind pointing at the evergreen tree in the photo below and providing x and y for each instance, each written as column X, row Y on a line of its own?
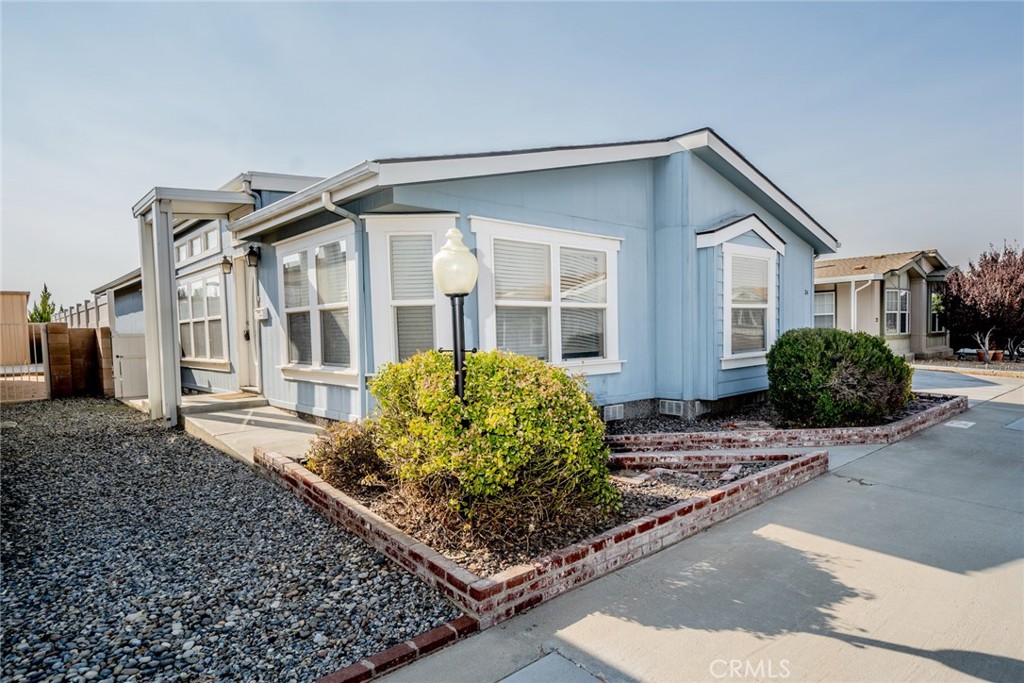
column 44, row 309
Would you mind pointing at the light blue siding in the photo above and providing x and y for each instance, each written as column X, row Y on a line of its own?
column 670, row 293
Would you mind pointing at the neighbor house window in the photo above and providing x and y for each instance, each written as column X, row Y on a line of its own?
column 198, row 244
column 749, row 300
column 549, row 293
column 897, row 311
column 935, row 292
column 824, row 309
column 201, row 317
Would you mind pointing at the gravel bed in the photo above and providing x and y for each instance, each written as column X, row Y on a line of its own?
column 131, row 553
column 752, row 417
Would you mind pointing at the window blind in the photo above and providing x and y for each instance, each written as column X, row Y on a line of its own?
column 411, row 262
column 213, row 297
column 523, row 330
column 216, row 339
column 749, row 280
column 414, row 327
column 522, row 271
column 331, row 274
column 199, row 338
column 300, row 348
column 198, row 300
column 296, row 280
column 583, row 275
column 582, row 333
column 334, row 338
column 748, row 330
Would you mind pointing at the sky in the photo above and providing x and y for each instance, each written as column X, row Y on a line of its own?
column 898, row 126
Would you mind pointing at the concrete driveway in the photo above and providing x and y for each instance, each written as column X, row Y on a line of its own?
column 905, row 563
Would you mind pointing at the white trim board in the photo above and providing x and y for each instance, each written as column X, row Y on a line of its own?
column 730, row 231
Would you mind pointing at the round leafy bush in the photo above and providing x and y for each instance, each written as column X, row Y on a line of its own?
column 526, row 442
column 345, row 455
column 834, row 378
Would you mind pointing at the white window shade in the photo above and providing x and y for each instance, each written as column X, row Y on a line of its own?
column 414, row 326
column 522, row 271
column 411, row 274
column 583, row 275
column 296, row 280
column 749, row 280
column 523, row 330
column 331, row 274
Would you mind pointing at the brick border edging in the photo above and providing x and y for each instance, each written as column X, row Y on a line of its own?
column 788, row 438
column 399, row 655
column 491, row 600
column 1017, row 374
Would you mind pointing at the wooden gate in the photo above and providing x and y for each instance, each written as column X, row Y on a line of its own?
column 129, row 365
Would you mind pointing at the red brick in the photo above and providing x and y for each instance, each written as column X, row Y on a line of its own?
column 531, row 601
column 354, row 673
column 392, row 658
column 434, row 639
column 483, row 589
column 464, row 626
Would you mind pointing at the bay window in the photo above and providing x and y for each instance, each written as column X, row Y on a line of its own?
column 548, row 293
column 317, row 309
column 201, row 316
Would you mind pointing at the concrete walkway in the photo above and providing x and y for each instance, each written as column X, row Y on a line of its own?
column 906, row 562
column 237, row 432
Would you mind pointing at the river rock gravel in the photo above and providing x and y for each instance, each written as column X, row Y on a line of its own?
column 131, row 553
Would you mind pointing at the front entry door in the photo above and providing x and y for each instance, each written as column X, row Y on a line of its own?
column 247, row 329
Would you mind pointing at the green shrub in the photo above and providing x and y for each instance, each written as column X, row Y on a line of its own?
column 345, row 455
column 527, row 440
column 834, row 378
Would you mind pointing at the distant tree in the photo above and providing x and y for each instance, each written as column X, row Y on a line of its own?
column 44, row 309
column 987, row 301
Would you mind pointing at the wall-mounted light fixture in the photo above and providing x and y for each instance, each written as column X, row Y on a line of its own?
column 252, row 257
column 225, row 265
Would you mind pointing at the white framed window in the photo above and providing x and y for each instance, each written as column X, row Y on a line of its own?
column 824, row 309
column 897, row 311
column 935, row 292
column 750, row 304
column 409, row 313
column 198, row 244
column 202, row 334
column 318, row 306
column 549, row 293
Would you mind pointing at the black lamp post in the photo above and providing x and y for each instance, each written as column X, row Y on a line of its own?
column 455, row 271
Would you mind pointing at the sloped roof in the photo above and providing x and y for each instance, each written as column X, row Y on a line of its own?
column 866, row 265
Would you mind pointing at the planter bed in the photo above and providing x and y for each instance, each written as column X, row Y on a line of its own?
column 494, row 598
column 928, row 410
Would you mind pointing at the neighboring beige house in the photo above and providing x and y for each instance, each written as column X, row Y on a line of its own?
column 890, row 295
column 14, row 346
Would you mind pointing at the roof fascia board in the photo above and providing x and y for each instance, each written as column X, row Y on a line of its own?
column 181, row 194
column 751, row 223
column 408, row 172
column 724, row 151
column 307, row 200
column 848, row 278
column 123, row 281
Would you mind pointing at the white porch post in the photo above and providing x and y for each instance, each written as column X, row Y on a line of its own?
column 853, row 306
column 150, row 305
column 170, row 372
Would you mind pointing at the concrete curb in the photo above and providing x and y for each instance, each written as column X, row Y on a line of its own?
column 1017, row 374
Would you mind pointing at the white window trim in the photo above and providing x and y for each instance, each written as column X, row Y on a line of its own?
column 316, row 371
column 729, row 231
column 885, row 298
column 215, row 226
column 729, row 359
column 487, row 230
column 204, row 362
column 814, row 314
column 380, row 229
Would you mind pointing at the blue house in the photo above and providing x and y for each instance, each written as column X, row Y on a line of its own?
column 662, row 270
